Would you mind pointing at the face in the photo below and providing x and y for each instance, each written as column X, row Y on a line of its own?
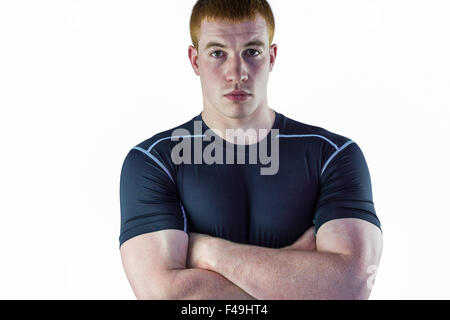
column 234, row 57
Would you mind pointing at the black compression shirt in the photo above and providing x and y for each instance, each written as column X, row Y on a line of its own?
column 321, row 176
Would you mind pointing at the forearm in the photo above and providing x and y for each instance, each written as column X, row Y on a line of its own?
column 201, row 284
column 268, row 273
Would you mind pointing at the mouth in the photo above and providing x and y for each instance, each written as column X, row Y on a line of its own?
column 237, row 92
column 238, row 97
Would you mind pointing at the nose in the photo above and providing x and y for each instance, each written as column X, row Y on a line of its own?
column 236, row 70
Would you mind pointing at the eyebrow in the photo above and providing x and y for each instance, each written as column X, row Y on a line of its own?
column 257, row 43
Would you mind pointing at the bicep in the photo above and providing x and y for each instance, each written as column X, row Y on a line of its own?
column 358, row 239
column 149, row 258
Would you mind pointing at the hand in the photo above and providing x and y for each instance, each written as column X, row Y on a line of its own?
column 306, row 242
column 198, row 250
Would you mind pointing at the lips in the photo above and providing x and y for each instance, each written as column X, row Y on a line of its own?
column 238, row 93
column 238, row 96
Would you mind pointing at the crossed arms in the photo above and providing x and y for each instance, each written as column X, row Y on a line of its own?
column 335, row 264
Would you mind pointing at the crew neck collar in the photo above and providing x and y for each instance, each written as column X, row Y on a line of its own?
column 276, row 125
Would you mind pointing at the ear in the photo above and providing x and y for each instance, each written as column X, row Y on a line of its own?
column 273, row 55
column 193, row 58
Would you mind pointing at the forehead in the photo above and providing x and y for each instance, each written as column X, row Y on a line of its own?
column 232, row 32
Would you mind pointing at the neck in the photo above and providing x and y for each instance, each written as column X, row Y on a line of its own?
column 262, row 118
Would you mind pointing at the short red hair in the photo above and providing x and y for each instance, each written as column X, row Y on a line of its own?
column 233, row 11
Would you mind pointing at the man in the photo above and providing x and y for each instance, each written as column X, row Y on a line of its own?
column 306, row 229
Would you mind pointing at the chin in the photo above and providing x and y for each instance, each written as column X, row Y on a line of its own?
column 238, row 112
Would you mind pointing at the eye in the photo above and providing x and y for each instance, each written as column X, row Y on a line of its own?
column 253, row 50
column 212, row 54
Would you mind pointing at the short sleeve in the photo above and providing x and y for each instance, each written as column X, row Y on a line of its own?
column 148, row 197
column 345, row 188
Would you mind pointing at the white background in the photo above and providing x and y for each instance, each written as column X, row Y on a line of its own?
column 82, row 82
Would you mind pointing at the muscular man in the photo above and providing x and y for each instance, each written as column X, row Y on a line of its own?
column 305, row 228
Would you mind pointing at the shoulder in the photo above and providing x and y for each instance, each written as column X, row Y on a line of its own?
column 296, row 129
column 163, row 140
column 157, row 149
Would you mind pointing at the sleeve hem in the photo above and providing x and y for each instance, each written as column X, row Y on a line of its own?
column 347, row 213
column 140, row 230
